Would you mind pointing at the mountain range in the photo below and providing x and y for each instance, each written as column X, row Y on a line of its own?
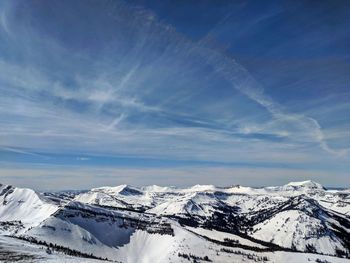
column 296, row 222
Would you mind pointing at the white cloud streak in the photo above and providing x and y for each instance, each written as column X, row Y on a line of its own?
column 135, row 103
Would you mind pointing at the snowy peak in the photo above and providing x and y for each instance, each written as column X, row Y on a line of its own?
column 24, row 205
column 202, row 188
column 120, row 189
column 157, row 188
column 307, row 185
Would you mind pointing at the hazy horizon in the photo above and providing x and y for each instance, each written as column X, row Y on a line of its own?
column 179, row 186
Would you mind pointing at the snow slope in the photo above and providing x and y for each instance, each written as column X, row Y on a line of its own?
column 25, row 205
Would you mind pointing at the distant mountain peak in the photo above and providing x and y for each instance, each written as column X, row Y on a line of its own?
column 309, row 184
column 123, row 189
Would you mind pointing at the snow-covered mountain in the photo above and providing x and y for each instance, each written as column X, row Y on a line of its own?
column 22, row 208
column 297, row 222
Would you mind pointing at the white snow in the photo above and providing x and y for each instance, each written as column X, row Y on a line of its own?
column 107, row 222
column 24, row 205
column 221, row 236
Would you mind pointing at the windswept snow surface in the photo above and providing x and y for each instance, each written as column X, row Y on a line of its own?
column 168, row 224
column 25, row 205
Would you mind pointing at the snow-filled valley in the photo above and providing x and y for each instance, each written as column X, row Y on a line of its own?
column 297, row 222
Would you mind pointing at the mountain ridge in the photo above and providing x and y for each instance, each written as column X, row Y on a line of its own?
column 108, row 221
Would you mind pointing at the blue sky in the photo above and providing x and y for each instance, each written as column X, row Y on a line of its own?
column 174, row 92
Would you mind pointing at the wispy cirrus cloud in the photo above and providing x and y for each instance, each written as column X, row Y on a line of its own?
column 134, row 85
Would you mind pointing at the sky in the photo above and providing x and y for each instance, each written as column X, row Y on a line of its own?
column 176, row 93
